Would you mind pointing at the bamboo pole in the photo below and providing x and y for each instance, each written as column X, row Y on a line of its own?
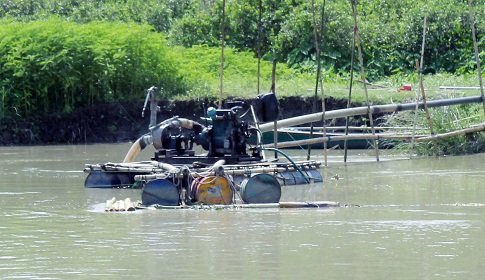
column 260, row 23
column 259, row 45
column 411, row 146
column 326, row 139
column 349, row 99
column 428, row 116
column 309, row 150
column 284, row 204
column 360, row 128
column 477, row 56
column 319, row 78
column 417, row 96
column 221, row 77
column 325, row 148
column 362, row 72
column 232, row 172
column 478, row 128
column 419, row 67
column 325, row 152
column 275, row 123
column 368, row 136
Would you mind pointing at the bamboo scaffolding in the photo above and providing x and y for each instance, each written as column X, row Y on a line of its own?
column 364, row 136
column 375, row 109
column 356, row 128
column 323, row 139
column 355, row 111
column 478, row 128
column 267, row 170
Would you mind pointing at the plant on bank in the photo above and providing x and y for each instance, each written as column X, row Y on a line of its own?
column 55, row 65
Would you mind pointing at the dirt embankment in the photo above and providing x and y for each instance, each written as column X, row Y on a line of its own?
column 116, row 122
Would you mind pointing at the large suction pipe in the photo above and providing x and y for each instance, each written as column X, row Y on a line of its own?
column 156, row 136
column 136, row 148
column 159, row 133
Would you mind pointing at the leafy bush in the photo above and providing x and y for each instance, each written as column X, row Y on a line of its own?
column 54, row 65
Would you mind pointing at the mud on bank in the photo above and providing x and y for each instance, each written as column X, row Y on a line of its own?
column 120, row 122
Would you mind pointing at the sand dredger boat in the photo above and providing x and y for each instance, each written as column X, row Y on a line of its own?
column 234, row 169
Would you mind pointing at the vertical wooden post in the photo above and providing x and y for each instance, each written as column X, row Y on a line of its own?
column 318, row 34
column 314, row 108
column 349, row 100
column 362, row 71
column 417, row 96
column 259, row 44
column 425, row 105
column 411, row 145
column 419, row 67
column 477, row 56
column 221, row 77
column 275, row 123
column 325, row 150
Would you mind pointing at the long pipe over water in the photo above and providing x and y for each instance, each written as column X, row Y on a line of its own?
column 341, row 113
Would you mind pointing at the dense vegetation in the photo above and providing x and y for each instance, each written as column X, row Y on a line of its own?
column 58, row 55
column 391, row 30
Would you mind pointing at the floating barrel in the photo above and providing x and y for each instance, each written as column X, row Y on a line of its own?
column 286, row 178
column 212, row 190
column 300, row 178
column 289, row 178
column 161, row 192
column 314, row 175
column 261, row 188
column 102, row 179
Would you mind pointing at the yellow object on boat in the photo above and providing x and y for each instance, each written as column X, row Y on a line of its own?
column 212, row 190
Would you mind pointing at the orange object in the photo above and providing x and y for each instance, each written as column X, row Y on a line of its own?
column 212, row 190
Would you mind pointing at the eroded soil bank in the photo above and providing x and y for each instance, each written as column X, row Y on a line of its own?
column 120, row 122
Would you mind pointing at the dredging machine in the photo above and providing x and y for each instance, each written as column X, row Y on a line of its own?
column 234, row 168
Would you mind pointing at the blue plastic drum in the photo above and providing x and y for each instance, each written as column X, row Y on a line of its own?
column 102, row 179
column 261, row 188
column 161, row 192
column 286, row 178
column 314, row 176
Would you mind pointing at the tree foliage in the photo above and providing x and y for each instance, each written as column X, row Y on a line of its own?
column 59, row 54
column 391, row 30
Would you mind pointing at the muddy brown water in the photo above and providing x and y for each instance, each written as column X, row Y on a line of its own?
column 417, row 219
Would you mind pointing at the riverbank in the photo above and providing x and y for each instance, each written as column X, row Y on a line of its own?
column 121, row 122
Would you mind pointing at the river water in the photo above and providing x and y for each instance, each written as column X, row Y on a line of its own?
column 407, row 219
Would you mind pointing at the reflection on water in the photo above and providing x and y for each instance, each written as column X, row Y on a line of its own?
column 418, row 219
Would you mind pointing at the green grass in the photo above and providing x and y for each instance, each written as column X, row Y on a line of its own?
column 200, row 67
